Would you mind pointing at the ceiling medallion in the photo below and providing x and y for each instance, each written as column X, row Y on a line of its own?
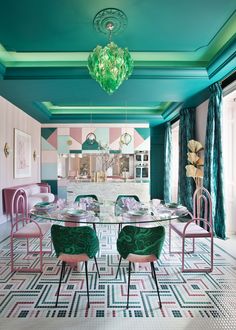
column 110, row 65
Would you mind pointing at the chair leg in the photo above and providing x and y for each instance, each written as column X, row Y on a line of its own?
column 127, row 306
column 95, row 259
column 169, row 239
column 41, row 253
column 118, row 266
column 155, row 279
column 86, row 272
column 61, row 276
column 183, row 252
column 12, row 255
column 94, row 227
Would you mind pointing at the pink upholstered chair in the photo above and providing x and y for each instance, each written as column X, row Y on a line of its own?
column 199, row 227
column 24, row 227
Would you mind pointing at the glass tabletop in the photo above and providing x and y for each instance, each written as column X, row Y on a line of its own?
column 106, row 215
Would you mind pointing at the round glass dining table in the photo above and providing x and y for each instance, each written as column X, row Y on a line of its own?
column 71, row 217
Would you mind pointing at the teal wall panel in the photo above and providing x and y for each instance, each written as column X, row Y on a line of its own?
column 157, row 163
column 53, row 185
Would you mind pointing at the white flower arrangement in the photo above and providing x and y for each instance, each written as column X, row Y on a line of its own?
column 194, row 169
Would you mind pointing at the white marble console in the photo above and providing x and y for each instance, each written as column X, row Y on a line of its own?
column 109, row 190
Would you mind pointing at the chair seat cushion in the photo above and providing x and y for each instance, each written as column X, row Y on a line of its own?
column 73, row 257
column 31, row 230
column 141, row 258
column 192, row 229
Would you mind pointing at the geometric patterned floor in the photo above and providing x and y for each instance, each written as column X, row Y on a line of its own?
column 183, row 295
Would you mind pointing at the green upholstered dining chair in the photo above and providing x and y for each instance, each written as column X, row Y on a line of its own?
column 72, row 245
column 119, row 200
column 95, row 208
column 118, row 205
column 138, row 244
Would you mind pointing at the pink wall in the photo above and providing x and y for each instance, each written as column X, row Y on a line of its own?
column 12, row 117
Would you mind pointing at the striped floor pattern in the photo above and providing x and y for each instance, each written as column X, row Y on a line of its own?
column 201, row 295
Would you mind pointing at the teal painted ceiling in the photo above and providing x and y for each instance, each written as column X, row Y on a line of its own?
column 179, row 49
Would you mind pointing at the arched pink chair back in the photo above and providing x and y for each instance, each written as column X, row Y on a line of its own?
column 19, row 209
column 202, row 205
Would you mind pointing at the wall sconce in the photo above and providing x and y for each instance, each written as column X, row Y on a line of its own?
column 34, row 155
column 6, row 150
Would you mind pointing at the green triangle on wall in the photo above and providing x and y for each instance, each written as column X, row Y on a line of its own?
column 47, row 131
column 144, row 132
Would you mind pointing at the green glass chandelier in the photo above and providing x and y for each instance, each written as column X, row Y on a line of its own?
column 110, row 65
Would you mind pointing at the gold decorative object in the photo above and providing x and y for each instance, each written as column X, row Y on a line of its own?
column 194, row 170
column 125, row 138
column 6, row 150
column 69, row 142
column 34, row 155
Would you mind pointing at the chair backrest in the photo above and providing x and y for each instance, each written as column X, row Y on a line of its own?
column 19, row 209
column 78, row 197
column 140, row 240
column 202, row 205
column 74, row 240
column 119, row 201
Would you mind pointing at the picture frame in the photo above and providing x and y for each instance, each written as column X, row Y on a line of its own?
column 22, row 154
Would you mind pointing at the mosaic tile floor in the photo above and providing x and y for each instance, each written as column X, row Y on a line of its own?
column 184, row 296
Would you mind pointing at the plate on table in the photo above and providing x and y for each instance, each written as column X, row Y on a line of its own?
column 173, row 205
column 137, row 213
column 77, row 213
column 44, row 206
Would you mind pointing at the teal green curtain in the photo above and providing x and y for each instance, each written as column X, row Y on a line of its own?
column 167, row 163
column 213, row 163
column 186, row 184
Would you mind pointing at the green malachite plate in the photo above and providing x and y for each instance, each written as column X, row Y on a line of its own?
column 137, row 212
column 173, row 205
column 44, row 206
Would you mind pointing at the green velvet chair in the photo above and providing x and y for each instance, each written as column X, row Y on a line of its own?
column 118, row 209
column 97, row 211
column 138, row 244
column 72, row 245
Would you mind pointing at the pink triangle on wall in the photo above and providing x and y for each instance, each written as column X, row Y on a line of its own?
column 76, row 134
column 53, row 139
column 114, row 134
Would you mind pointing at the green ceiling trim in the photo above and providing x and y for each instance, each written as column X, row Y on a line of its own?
column 172, row 111
column 224, row 64
column 2, row 71
column 226, row 35
column 97, row 110
column 200, row 57
column 82, row 73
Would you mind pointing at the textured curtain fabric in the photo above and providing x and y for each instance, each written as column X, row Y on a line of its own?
column 167, row 163
column 213, row 164
column 186, row 132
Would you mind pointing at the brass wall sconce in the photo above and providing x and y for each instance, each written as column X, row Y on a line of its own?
column 6, row 150
column 34, row 155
